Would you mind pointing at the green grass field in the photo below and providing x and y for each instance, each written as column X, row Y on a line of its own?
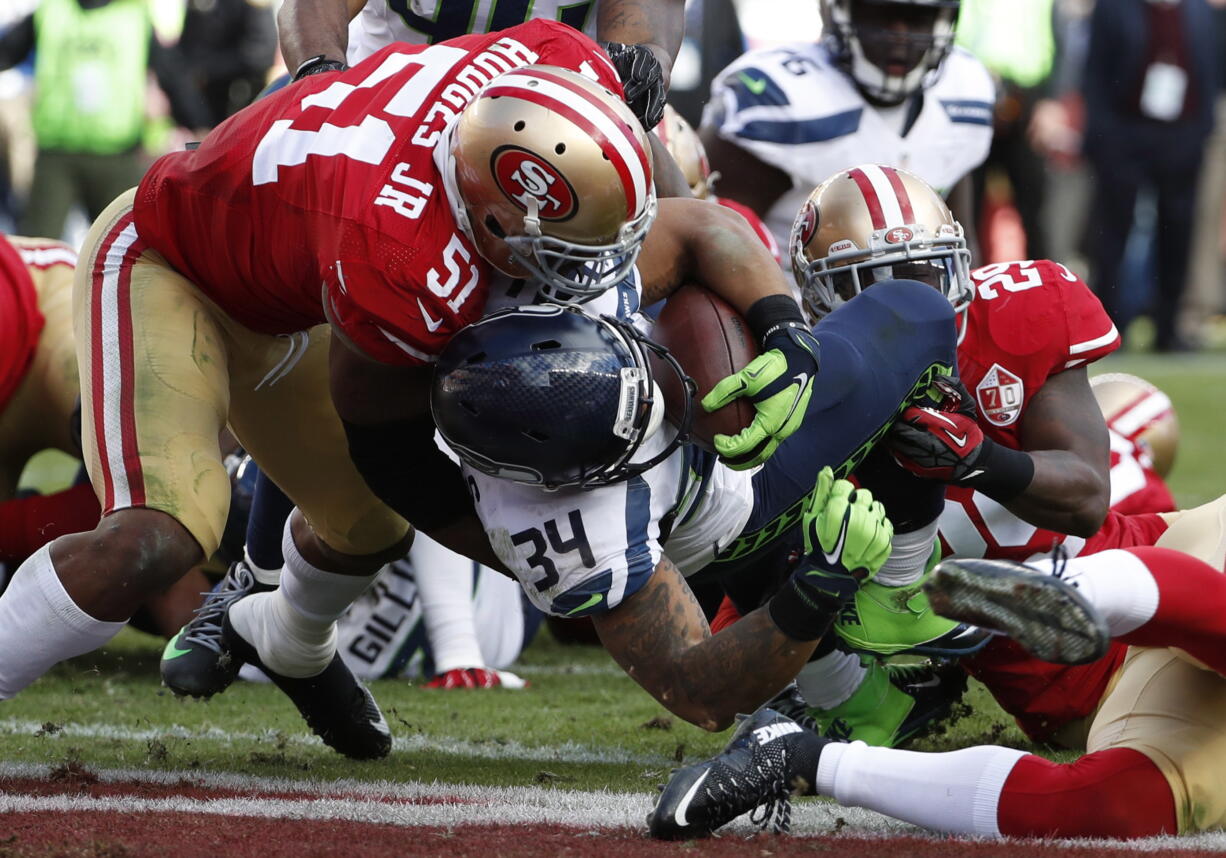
column 581, row 724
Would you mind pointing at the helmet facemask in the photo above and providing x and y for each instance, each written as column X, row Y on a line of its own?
column 942, row 262
column 889, row 47
column 569, row 272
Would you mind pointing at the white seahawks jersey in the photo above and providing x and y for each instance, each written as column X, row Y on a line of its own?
column 580, row 552
column 794, row 109
column 421, row 22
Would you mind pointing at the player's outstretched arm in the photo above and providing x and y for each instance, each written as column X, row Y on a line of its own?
column 694, row 240
column 661, row 638
column 312, row 28
column 1066, row 438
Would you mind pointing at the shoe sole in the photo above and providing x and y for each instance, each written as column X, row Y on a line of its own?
column 1047, row 617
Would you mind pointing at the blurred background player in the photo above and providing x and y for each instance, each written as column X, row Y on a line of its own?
column 89, row 114
column 1152, row 73
column 884, row 84
column 227, row 48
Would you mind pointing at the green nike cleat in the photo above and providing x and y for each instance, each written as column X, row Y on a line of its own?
column 894, row 620
column 894, row 704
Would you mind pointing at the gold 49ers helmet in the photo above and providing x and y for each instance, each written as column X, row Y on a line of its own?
column 872, row 223
column 1141, row 413
column 555, row 173
column 682, row 142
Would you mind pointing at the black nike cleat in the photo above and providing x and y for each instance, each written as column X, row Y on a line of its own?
column 769, row 759
column 336, row 706
column 1045, row 615
column 195, row 661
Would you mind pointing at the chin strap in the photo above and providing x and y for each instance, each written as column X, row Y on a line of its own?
column 532, row 221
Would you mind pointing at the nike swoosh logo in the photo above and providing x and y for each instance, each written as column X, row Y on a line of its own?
column 593, row 599
column 754, row 84
column 838, row 548
column 687, row 798
column 960, row 440
column 172, row 648
column 432, row 324
column 802, row 379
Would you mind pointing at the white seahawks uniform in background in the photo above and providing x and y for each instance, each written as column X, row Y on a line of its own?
column 795, row 110
column 579, row 552
column 421, row 22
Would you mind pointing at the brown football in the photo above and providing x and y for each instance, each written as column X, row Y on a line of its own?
column 711, row 341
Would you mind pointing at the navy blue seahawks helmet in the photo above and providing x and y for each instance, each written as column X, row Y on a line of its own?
column 548, row 395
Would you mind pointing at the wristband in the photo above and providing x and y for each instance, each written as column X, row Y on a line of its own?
column 772, row 314
column 317, row 64
column 1006, row 473
column 805, row 613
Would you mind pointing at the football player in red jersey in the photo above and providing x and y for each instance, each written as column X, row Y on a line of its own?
column 1026, row 460
column 383, row 201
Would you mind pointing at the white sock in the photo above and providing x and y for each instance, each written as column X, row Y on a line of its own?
column 41, row 626
column 445, row 586
column 1116, row 582
column 908, row 557
column 831, row 679
column 293, row 628
column 955, row 792
column 267, row 577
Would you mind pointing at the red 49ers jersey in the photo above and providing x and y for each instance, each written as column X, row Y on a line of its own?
column 21, row 319
column 332, row 190
column 1028, row 321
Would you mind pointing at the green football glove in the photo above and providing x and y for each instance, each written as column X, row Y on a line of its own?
column 847, row 536
column 779, row 383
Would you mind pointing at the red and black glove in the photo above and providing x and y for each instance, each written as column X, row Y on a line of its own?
column 466, row 677
column 947, row 444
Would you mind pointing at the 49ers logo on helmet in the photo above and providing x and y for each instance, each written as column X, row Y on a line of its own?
column 524, row 175
column 806, row 225
column 899, row 235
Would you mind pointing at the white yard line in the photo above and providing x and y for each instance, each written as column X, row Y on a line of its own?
column 490, row 750
column 384, row 802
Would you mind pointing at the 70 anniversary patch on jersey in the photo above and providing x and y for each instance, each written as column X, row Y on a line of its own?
column 1000, row 396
